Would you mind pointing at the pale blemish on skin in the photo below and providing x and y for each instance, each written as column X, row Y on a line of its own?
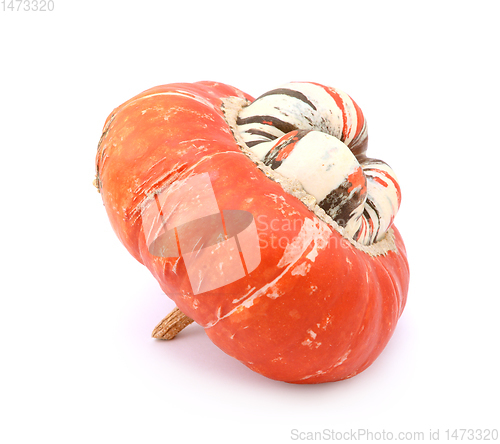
column 301, row 269
column 342, row 359
column 311, row 233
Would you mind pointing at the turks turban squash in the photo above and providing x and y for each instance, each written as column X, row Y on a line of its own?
column 263, row 220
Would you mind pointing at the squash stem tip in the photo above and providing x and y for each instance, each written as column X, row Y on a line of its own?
column 171, row 325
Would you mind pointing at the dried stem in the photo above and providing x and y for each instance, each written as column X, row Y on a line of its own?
column 171, row 325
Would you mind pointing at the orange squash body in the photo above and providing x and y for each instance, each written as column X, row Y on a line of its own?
column 316, row 309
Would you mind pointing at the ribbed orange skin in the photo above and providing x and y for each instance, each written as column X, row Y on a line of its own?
column 326, row 324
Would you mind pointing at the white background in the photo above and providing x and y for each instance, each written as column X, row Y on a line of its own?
column 77, row 360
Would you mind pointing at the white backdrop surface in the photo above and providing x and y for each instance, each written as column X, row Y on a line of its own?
column 76, row 310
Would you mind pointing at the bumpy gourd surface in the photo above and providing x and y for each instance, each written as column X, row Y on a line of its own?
column 313, row 134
